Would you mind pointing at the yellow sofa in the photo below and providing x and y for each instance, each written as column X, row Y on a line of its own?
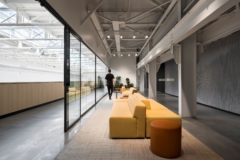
column 127, row 119
column 129, row 92
column 156, row 111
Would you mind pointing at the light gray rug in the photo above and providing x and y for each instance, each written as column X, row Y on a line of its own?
column 92, row 143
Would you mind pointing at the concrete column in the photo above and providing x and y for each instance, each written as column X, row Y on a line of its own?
column 187, row 77
column 141, row 80
column 152, row 75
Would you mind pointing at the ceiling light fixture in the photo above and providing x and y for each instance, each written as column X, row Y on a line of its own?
column 121, row 55
column 113, row 55
column 136, row 54
column 146, row 36
column 128, row 54
column 108, row 36
column 121, row 37
column 134, row 37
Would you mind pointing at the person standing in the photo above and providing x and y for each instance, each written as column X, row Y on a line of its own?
column 110, row 83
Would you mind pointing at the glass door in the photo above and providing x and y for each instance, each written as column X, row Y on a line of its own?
column 72, row 79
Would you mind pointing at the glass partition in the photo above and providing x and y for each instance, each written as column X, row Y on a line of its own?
column 101, row 71
column 87, row 78
column 84, row 76
column 74, row 88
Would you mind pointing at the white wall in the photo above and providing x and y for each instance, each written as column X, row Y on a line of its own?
column 125, row 67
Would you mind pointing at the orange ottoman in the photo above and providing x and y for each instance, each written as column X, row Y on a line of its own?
column 165, row 138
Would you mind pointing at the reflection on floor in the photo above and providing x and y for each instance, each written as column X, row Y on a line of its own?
column 219, row 130
column 37, row 133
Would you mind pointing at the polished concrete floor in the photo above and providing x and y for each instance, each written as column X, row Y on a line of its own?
column 217, row 129
column 38, row 133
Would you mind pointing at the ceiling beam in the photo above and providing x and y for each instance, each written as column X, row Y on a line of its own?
column 133, row 24
column 91, row 12
column 134, row 30
column 20, row 1
column 159, row 23
column 104, row 18
column 202, row 13
column 144, row 13
column 36, row 17
column 131, row 39
column 30, row 24
column 31, row 39
column 155, row 3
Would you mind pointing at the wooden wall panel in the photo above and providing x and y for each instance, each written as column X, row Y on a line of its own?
column 19, row 96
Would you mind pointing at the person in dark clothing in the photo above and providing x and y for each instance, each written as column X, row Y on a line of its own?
column 110, row 83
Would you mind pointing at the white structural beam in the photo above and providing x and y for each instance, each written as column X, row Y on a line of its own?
column 165, row 57
column 20, row 1
column 187, row 96
column 152, row 82
column 104, row 18
column 29, row 24
column 31, row 39
column 132, row 24
column 159, row 23
column 141, row 83
column 125, row 39
column 126, row 52
column 101, row 34
column 222, row 28
column 142, row 14
column 36, row 17
column 155, row 3
column 91, row 12
column 134, row 30
column 202, row 13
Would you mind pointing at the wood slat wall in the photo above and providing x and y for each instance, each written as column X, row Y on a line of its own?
column 19, row 96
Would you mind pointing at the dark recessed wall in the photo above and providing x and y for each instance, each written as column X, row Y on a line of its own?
column 161, row 75
column 218, row 75
column 171, row 72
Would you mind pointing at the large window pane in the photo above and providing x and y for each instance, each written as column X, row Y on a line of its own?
column 74, row 88
column 87, row 78
column 101, row 71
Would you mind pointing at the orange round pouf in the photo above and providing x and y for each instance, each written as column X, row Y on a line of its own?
column 165, row 138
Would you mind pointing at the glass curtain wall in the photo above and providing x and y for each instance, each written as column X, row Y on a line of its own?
column 87, row 78
column 101, row 71
column 74, row 88
column 84, row 75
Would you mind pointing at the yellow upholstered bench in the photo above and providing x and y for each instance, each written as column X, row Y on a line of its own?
column 156, row 111
column 127, row 119
column 129, row 92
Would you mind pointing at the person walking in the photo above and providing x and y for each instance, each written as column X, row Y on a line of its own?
column 110, row 83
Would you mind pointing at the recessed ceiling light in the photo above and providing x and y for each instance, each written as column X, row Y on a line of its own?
column 108, row 36
column 121, row 37
column 146, row 36
column 114, row 55
column 121, row 55
column 128, row 54
column 136, row 54
column 134, row 37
